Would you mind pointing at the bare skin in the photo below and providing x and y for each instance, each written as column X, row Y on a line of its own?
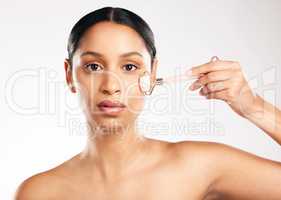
column 119, row 164
column 159, row 175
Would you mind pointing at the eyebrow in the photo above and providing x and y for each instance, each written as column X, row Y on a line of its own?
column 93, row 53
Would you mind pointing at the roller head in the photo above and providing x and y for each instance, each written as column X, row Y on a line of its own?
column 144, row 82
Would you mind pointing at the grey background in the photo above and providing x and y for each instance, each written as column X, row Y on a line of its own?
column 33, row 47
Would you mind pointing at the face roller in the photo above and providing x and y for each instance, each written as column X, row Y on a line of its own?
column 146, row 86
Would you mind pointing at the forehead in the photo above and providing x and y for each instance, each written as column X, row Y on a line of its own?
column 110, row 39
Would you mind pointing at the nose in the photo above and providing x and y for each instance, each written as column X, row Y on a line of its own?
column 111, row 83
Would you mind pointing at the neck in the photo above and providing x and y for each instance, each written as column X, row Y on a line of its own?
column 116, row 152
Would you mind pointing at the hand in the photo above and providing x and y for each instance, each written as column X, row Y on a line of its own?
column 224, row 80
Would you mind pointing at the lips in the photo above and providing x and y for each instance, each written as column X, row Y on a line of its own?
column 112, row 108
column 108, row 103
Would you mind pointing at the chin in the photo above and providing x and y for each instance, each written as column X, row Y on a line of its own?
column 107, row 125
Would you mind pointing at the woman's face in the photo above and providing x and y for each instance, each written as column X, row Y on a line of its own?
column 106, row 66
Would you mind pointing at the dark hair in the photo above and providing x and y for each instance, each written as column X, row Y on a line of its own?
column 112, row 14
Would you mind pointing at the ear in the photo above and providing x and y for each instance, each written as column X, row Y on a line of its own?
column 68, row 75
column 154, row 69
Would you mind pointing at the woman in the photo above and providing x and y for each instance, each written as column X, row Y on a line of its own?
column 108, row 50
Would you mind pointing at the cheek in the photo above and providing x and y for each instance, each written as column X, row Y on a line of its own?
column 134, row 99
column 87, row 89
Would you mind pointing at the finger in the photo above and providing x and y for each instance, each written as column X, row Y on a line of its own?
column 211, row 77
column 195, row 85
column 217, row 86
column 203, row 91
column 214, row 66
column 222, row 95
column 216, row 76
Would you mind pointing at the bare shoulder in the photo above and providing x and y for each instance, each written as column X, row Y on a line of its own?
column 200, row 149
column 48, row 184
column 202, row 157
column 229, row 157
column 213, row 150
column 210, row 161
column 38, row 186
column 225, row 162
column 214, row 155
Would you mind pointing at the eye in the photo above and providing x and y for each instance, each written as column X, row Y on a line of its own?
column 92, row 66
column 130, row 66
